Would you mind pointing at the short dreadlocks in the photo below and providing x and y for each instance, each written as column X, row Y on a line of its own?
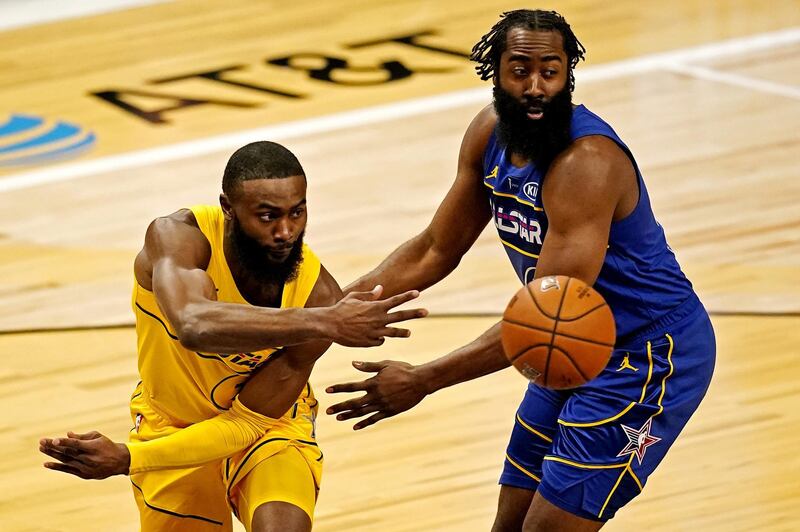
column 488, row 50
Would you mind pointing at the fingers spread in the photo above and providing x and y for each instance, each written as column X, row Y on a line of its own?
column 395, row 332
column 347, row 387
column 370, row 366
column 403, row 315
column 370, row 420
column 357, row 412
column 350, row 404
column 399, row 299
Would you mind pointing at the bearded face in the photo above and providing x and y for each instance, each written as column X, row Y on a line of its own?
column 538, row 139
column 276, row 265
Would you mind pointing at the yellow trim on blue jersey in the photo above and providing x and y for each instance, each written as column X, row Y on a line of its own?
column 596, row 423
column 515, row 248
column 512, row 196
column 616, row 484
column 512, row 462
column 635, row 478
column 583, row 466
column 533, row 430
column 649, row 370
column 668, row 375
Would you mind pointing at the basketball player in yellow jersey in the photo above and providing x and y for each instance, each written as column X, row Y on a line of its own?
column 218, row 291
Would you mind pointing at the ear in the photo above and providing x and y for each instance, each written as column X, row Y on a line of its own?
column 227, row 210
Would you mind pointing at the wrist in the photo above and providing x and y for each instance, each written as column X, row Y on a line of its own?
column 125, row 459
column 425, row 378
column 321, row 323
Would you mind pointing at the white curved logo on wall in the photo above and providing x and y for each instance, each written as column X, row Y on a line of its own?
column 30, row 140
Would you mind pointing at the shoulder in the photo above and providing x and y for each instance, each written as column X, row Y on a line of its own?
column 592, row 177
column 590, row 163
column 182, row 219
column 480, row 129
column 180, row 223
column 326, row 290
column 176, row 235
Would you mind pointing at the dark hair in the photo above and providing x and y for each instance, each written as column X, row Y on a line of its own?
column 488, row 50
column 259, row 160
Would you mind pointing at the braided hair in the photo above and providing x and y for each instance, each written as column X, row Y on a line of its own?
column 488, row 50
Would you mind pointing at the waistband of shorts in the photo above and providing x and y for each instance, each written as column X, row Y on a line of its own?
column 164, row 417
column 685, row 309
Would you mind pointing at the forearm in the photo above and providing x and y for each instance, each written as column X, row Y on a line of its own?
column 415, row 265
column 476, row 359
column 266, row 396
column 275, row 386
column 203, row 442
column 232, row 328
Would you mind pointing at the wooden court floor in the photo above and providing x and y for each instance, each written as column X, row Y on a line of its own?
column 716, row 134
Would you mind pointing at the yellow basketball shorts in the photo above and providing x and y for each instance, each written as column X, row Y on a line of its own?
column 284, row 465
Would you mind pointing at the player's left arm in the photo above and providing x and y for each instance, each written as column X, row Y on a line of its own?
column 268, row 394
column 587, row 187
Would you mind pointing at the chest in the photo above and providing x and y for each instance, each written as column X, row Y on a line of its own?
column 515, row 198
column 259, row 293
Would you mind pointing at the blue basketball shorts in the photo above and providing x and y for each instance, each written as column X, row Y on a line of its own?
column 590, row 450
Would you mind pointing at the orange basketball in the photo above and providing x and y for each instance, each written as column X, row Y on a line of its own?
column 558, row 332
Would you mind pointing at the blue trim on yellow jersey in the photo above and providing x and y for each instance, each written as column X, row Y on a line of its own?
column 175, row 514
column 257, row 447
column 159, row 320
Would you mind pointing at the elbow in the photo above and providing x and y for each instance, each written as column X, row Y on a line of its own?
column 192, row 331
column 444, row 261
column 435, row 258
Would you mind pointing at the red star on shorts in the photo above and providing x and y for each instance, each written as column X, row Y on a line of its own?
column 638, row 440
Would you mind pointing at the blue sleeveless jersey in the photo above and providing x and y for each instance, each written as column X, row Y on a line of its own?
column 640, row 278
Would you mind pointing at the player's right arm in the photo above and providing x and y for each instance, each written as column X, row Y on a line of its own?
column 422, row 262
column 430, row 256
column 172, row 265
column 266, row 396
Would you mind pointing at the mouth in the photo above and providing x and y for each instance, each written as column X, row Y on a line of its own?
column 535, row 112
column 280, row 253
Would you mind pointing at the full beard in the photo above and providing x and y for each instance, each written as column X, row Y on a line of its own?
column 255, row 261
column 539, row 141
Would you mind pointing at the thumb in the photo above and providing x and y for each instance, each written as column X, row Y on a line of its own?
column 88, row 436
column 369, row 366
column 371, row 295
column 376, row 292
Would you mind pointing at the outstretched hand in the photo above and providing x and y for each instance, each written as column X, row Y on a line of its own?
column 361, row 319
column 87, row 456
column 395, row 388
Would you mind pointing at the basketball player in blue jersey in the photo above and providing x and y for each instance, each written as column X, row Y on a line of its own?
column 567, row 197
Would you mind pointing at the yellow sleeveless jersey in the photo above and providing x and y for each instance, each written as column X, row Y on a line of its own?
column 186, row 386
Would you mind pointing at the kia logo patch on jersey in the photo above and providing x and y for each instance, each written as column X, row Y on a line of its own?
column 530, row 190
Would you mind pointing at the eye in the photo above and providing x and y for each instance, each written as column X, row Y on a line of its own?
column 550, row 72
column 519, row 71
column 298, row 212
column 266, row 217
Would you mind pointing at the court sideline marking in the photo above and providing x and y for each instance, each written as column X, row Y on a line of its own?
column 676, row 61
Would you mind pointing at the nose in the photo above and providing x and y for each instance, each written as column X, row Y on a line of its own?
column 282, row 230
column 535, row 86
